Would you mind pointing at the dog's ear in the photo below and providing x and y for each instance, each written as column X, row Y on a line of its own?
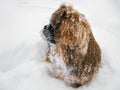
column 64, row 14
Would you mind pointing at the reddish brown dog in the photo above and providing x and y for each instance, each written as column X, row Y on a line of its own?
column 73, row 51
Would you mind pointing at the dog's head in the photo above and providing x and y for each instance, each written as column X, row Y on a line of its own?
column 67, row 26
column 53, row 27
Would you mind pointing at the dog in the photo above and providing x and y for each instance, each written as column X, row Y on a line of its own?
column 73, row 52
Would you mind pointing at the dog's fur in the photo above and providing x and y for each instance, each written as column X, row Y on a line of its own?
column 73, row 52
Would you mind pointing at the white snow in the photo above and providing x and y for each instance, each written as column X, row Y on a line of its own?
column 22, row 48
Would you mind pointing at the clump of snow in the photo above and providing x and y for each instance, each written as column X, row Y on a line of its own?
column 22, row 50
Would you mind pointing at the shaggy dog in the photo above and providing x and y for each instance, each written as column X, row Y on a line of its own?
column 73, row 51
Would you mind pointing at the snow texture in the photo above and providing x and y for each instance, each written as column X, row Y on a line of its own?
column 22, row 47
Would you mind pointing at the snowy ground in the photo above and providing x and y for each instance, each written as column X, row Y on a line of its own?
column 22, row 49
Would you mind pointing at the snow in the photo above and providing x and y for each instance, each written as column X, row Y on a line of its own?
column 22, row 48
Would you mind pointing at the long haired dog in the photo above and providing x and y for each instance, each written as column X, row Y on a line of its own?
column 73, row 51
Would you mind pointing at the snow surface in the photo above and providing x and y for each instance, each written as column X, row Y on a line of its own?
column 22, row 48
